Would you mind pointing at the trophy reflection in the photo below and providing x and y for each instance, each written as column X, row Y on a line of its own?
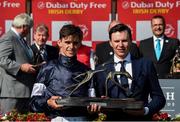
column 175, row 68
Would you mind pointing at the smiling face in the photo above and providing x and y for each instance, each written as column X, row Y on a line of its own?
column 69, row 45
column 70, row 40
column 120, row 42
column 158, row 26
column 40, row 38
column 41, row 34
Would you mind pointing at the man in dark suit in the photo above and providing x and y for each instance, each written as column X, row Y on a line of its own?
column 162, row 59
column 16, row 66
column 104, row 51
column 42, row 51
column 144, row 82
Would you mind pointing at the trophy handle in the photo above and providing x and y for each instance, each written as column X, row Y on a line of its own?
column 88, row 76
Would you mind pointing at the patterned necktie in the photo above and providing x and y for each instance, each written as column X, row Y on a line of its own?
column 43, row 54
column 123, row 78
column 158, row 49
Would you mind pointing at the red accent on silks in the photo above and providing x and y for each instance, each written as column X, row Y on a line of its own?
column 83, row 55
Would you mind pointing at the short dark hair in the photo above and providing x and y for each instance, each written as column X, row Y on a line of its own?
column 71, row 29
column 119, row 28
column 159, row 17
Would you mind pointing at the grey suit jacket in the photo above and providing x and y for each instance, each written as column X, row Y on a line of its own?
column 14, row 83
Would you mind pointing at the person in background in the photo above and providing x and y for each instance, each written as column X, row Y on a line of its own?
column 104, row 51
column 42, row 51
column 144, row 83
column 87, row 56
column 55, row 76
column 16, row 66
column 159, row 48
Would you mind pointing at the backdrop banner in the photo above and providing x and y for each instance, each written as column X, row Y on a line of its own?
column 137, row 14
column 92, row 16
column 171, row 91
column 8, row 10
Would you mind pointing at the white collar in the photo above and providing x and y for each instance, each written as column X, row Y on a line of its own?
column 39, row 46
column 14, row 30
column 161, row 38
column 127, row 58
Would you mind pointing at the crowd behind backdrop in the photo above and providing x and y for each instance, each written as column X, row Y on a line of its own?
column 94, row 16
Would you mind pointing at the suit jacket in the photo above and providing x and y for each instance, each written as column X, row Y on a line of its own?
column 104, row 51
column 13, row 53
column 52, row 53
column 145, row 82
column 162, row 65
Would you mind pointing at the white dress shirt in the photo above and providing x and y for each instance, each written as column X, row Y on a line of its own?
column 161, row 41
column 127, row 66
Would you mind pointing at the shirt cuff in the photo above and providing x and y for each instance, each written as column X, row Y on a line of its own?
column 146, row 110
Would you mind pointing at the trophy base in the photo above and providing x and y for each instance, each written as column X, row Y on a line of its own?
column 111, row 103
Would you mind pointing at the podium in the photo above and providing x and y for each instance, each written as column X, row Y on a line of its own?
column 107, row 103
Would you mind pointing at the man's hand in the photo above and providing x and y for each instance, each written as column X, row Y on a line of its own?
column 52, row 102
column 94, row 107
column 28, row 68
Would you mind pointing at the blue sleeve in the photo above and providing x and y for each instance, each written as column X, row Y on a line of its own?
column 40, row 93
column 158, row 100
